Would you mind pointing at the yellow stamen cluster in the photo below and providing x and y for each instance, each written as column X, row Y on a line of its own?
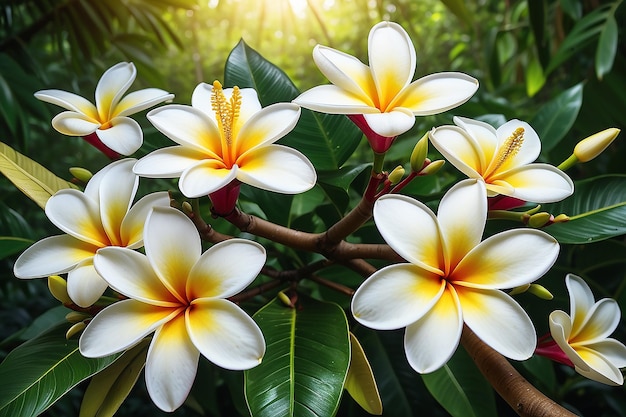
column 226, row 111
column 510, row 147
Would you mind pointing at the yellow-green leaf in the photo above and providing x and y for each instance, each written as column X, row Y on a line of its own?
column 31, row 178
column 360, row 382
column 108, row 389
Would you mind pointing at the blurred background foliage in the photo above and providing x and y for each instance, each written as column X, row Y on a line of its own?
column 568, row 53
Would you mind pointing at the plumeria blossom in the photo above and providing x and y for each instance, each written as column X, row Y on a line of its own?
column 582, row 336
column 98, row 217
column 223, row 137
column 107, row 119
column 503, row 159
column 452, row 277
column 178, row 293
column 381, row 98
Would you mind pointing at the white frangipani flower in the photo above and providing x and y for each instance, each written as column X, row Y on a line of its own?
column 452, row 277
column 177, row 293
column 108, row 117
column 583, row 335
column 226, row 136
column 383, row 92
column 503, row 159
column 98, row 217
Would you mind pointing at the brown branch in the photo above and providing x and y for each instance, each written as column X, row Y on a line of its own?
column 525, row 399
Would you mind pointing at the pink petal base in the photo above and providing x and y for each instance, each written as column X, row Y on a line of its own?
column 94, row 140
column 549, row 349
column 379, row 144
column 225, row 198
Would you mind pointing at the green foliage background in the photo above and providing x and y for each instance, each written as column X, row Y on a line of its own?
column 558, row 64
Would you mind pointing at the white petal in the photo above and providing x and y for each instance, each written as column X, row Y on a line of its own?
column 391, row 123
column 225, row 269
column 612, row 350
column 436, row 93
column 396, row 296
column 112, row 86
column 173, row 246
column 201, row 100
column 120, row 326
column 224, row 334
column 267, row 126
column 277, row 168
column 483, row 135
column 507, row 259
column 417, row 240
column 204, row 177
column 130, row 273
column 560, row 330
column 167, row 162
column 133, row 223
column 392, row 61
column 116, row 192
column 171, row 365
column 141, row 100
column 69, row 101
column 461, row 215
column 333, row 100
column 92, row 190
column 84, row 285
column 460, row 149
column 74, row 124
column 124, row 136
column 347, row 73
column 433, row 339
column 52, row 256
column 600, row 369
column 189, row 127
column 581, row 299
column 539, row 183
column 600, row 322
column 499, row 321
column 77, row 215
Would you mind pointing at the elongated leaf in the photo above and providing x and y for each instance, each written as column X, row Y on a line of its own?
column 461, row 389
column 459, row 8
column 306, row 362
column 607, row 47
column 37, row 373
column 108, row 389
column 28, row 176
column 597, row 210
column 51, row 318
column 327, row 140
column 360, row 382
column 555, row 118
column 12, row 245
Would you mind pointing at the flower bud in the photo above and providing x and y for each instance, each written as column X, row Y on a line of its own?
column 186, row 208
column 396, row 175
column 540, row 291
column 594, row 145
column 561, row 218
column 418, row 156
column 541, row 219
column 58, row 289
column 433, row 167
column 519, row 290
column 76, row 316
column 75, row 329
column 81, row 174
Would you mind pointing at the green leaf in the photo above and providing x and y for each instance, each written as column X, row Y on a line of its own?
column 37, row 373
column 459, row 8
column 461, row 389
column 327, row 140
column 12, row 245
column 360, row 382
column 597, row 210
column 607, row 47
column 555, row 118
column 28, row 176
column 109, row 388
column 306, row 362
column 535, row 79
column 53, row 317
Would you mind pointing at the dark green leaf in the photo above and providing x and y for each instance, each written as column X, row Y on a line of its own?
column 12, row 245
column 53, row 317
column 597, row 210
column 538, row 12
column 607, row 47
column 555, row 118
column 37, row 373
column 461, row 389
column 306, row 362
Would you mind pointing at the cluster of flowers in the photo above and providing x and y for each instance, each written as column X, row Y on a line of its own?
column 452, row 278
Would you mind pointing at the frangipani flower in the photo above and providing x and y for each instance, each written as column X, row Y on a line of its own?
column 380, row 97
column 583, row 336
column 452, row 277
column 108, row 118
column 98, row 217
column 226, row 136
column 178, row 293
column 502, row 158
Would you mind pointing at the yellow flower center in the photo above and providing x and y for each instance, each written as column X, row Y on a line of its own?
column 226, row 111
column 510, row 148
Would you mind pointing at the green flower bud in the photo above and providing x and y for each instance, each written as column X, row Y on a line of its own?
column 433, row 167
column 58, row 289
column 540, row 291
column 76, row 316
column 396, row 175
column 418, row 156
column 81, row 174
column 540, row 219
column 519, row 290
column 75, row 329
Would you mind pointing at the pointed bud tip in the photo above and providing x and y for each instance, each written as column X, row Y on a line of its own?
column 418, row 156
column 540, row 291
column 396, row 175
column 592, row 146
column 58, row 289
